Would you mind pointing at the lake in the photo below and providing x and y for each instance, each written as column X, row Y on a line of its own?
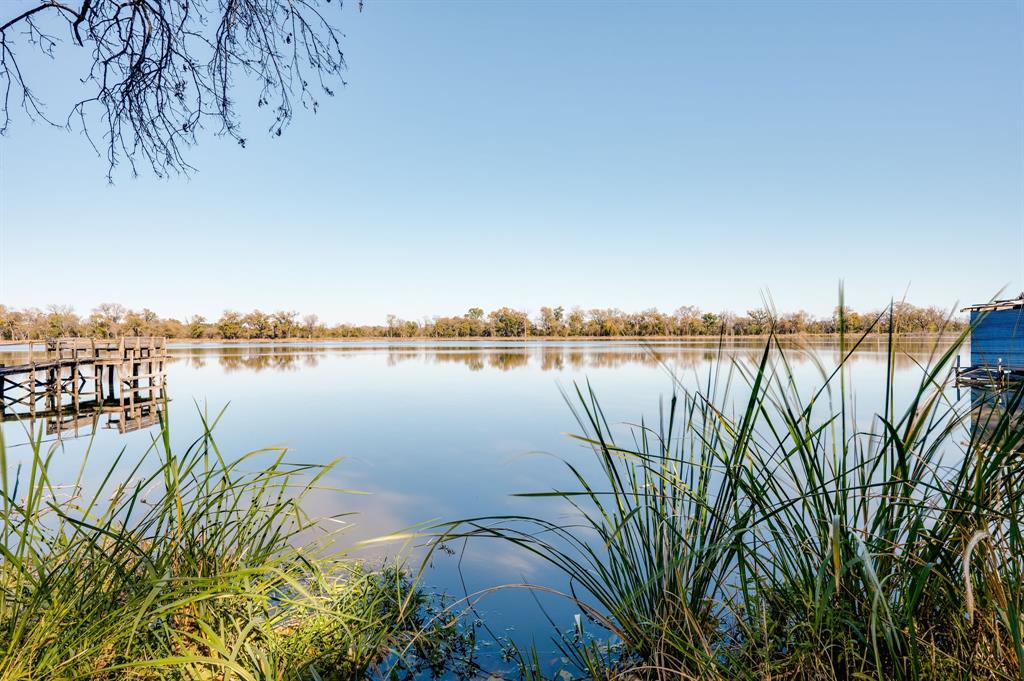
column 434, row 431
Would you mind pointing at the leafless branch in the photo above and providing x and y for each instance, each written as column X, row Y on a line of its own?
column 159, row 71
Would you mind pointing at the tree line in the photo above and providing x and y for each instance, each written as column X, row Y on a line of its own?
column 111, row 320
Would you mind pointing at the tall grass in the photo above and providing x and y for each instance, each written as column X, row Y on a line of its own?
column 784, row 539
column 194, row 566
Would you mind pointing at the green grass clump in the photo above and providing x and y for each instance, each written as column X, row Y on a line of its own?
column 197, row 567
column 783, row 539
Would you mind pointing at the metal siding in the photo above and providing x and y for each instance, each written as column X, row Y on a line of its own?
column 998, row 338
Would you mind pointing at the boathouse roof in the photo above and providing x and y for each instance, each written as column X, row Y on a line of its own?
column 1007, row 304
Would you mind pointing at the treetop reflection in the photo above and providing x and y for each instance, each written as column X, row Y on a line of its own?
column 543, row 355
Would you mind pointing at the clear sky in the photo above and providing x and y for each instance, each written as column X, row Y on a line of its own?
column 601, row 154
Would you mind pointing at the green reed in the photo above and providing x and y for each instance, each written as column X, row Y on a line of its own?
column 194, row 566
column 785, row 539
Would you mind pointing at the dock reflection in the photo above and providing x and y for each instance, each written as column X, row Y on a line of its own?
column 69, row 385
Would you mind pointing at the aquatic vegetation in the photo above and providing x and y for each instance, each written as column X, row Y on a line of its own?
column 196, row 566
column 758, row 531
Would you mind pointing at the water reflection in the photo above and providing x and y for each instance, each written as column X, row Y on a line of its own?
column 67, row 386
column 997, row 415
column 547, row 355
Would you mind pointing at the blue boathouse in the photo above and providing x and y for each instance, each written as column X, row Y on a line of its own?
column 997, row 341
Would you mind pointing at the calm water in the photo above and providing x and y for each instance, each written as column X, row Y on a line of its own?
column 439, row 431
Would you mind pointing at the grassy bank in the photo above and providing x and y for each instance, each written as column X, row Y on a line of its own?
column 785, row 539
column 194, row 566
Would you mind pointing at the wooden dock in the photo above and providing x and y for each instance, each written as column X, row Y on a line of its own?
column 70, row 382
column 996, row 377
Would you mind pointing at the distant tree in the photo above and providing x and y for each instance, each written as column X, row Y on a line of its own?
column 229, row 325
column 607, row 323
column 575, row 322
column 61, row 320
column 150, row 319
column 727, row 322
column 158, row 71
column 552, row 321
column 760, row 320
column 711, row 323
column 34, row 323
column 283, row 323
column 394, row 324
column 473, row 323
column 310, row 325
column 508, row 323
column 687, row 321
column 10, row 323
column 105, row 320
column 410, row 329
column 649, row 323
column 256, row 324
column 794, row 322
column 169, row 328
column 855, row 321
column 134, row 323
column 98, row 326
column 196, row 326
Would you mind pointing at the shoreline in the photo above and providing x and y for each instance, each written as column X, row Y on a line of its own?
column 530, row 339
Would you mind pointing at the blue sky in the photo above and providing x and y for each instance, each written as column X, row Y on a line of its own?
column 597, row 154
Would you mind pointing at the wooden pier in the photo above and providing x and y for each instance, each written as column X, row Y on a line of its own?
column 996, row 377
column 70, row 382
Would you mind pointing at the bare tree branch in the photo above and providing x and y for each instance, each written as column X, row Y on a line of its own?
column 160, row 71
